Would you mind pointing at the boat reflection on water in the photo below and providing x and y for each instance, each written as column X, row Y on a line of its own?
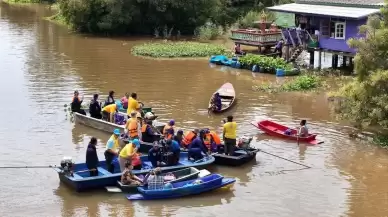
column 101, row 203
column 242, row 172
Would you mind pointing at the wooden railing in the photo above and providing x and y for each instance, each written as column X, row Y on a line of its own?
column 256, row 36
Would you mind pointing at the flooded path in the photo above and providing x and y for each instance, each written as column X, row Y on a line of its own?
column 41, row 64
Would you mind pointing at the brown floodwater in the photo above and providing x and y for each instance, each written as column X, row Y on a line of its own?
column 41, row 64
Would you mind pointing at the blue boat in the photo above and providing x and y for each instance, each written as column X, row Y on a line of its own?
column 81, row 180
column 220, row 60
column 185, row 188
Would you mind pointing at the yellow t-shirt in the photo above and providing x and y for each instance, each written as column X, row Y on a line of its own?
column 127, row 150
column 132, row 105
column 110, row 108
column 230, row 129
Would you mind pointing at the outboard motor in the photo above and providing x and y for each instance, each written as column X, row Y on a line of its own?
column 67, row 166
column 244, row 142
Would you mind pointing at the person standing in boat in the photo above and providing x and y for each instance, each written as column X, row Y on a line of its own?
column 189, row 137
column 109, row 111
column 229, row 135
column 197, row 147
column 124, row 100
column 76, row 103
column 95, row 107
column 303, row 131
column 128, row 152
column 110, row 99
column 133, row 104
column 92, row 158
column 112, row 150
column 168, row 130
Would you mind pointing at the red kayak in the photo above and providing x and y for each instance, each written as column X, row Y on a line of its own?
column 278, row 130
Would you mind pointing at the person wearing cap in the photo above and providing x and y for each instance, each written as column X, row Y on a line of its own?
column 189, row 137
column 95, row 107
column 109, row 111
column 197, row 147
column 133, row 127
column 155, row 156
column 133, row 104
column 112, row 150
column 110, row 99
column 76, row 103
column 179, row 137
column 230, row 134
column 128, row 152
column 168, row 130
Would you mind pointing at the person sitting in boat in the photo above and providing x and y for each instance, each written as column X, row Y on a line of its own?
column 197, row 147
column 133, row 127
column 91, row 157
column 189, row 137
column 212, row 141
column 168, row 130
column 95, row 107
column 112, row 150
column 127, row 153
column 128, row 178
column 147, row 133
column 155, row 156
column 124, row 100
column 133, row 104
column 110, row 99
column 216, row 104
column 109, row 111
column 156, row 181
column 173, row 147
column 237, row 50
column 76, row 103
column 179, row 137
column 303, row 131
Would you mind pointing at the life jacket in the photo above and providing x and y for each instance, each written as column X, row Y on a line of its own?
column 144, row 128
column 208, row 140
column 168, row 131
column 216, row 139
column 190, row 136
column 132, row 128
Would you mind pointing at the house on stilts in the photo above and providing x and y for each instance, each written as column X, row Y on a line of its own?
column 325, row 26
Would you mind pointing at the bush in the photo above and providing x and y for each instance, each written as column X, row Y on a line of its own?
column 300, row 83
column 178, row 49
column 209, row 31
column 267, row 63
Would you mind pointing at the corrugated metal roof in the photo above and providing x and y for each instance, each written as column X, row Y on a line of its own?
column 343, row 2
column 325, row 10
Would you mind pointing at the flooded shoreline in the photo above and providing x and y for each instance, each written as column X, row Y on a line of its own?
column 42, row 64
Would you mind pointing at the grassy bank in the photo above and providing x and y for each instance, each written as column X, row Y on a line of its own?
column 21, row 2
column 57, row 19
column 299, row 83
column 169, row 49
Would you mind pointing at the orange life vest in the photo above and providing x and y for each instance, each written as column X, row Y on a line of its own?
column 215, row 138
column 208, row 140
column 188, row 138
column 144, row 128
column 132, row 128
column 166, row 133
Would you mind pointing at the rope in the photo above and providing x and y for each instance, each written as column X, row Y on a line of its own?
column 308, row 167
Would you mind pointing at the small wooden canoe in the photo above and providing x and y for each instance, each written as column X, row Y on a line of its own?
column 228, row 97
column 278, row 130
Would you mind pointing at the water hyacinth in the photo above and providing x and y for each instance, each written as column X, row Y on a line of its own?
column 178, row 49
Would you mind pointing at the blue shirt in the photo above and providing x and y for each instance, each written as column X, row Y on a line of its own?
column 198, row 143
column 110, row 144
column 154, row 155
column 175, row 146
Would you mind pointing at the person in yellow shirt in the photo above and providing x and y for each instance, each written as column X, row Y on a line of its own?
column 109, row 111
column 133, row 104
column 229, row 134
column 128, row 152
column 112, row 150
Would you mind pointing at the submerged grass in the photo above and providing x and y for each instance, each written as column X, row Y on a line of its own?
column 300, row 83
column 169, row 49
column 57, row 19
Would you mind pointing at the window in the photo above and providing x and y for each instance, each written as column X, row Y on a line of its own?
column 339, row 30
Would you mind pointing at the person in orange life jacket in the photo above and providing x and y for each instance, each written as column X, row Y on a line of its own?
column 133, row 127
column 209, row 140
column 147, row 133
column 76, row 103
column 197, row 147
column 189, row 137
column 168, row 130
column 179, row 138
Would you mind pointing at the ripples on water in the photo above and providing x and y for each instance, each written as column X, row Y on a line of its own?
column 42, row 64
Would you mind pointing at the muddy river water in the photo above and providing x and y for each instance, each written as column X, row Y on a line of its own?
column 41, row 64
